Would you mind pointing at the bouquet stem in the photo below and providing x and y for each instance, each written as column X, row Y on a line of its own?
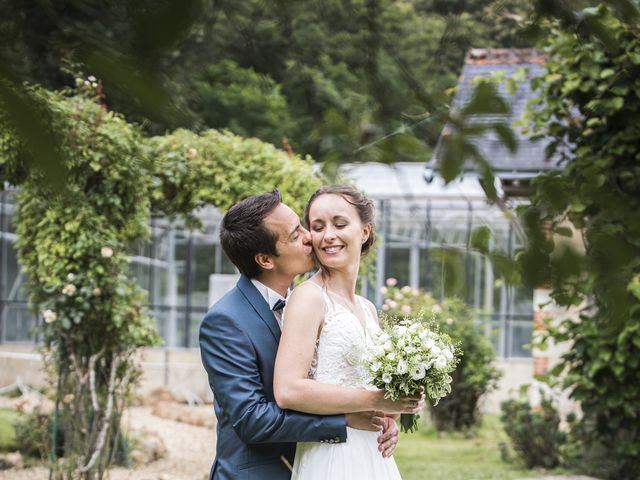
column 408, row 422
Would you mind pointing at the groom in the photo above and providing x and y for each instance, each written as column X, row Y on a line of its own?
column 239, row 340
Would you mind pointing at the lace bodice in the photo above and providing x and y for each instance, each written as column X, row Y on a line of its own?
column 340, row 349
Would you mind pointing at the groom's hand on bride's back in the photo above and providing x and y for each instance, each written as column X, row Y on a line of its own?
column 372, row 421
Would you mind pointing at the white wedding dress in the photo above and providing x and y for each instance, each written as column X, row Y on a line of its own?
column 338, row 361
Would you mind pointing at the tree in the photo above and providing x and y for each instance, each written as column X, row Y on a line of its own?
column 590, row 106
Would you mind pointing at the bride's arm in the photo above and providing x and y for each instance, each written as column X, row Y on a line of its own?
column 293, row 389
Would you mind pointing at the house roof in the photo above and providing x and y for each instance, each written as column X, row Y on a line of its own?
column 530, row 157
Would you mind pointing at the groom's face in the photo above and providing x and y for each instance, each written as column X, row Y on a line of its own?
column 294, row 242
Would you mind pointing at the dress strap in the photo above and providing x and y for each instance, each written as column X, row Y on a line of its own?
column 328, row 301
column 367, row 311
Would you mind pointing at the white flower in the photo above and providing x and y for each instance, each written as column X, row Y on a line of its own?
column 415, row 292
column 403, row 366
column 385, row 308
column 49, row 316
column 413, row 328
column 388, row 346
column 375, row 366
column 391, row 356
column 440, row 362
column 69, row 289
column 406, row 309
column 71, row 277
column 449, row 321
column 384, row 337
column 106, row 252
column 418, row 371
column 398, row 296
column 405, row 289
column 401, row 330
column 436, row 308
column 436, row 350
column 193, row 152
column 378, row 350
column 91, row 78
column 429, row 343
column 384, row 290
column 393, row 304
column 447, row 354
column 386, row 378
column 391, row 282
column 97, row 292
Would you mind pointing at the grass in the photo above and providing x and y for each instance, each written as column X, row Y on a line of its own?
column 426, row 455
column 7, row 432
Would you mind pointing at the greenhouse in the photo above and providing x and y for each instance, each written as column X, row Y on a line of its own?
column 424, row 230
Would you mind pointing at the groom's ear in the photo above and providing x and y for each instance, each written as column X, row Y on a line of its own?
column 264, row 261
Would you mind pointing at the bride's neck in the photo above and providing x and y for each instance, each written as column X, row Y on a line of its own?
column 342, row 282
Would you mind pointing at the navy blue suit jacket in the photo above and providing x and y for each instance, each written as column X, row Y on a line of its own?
column 238, row 342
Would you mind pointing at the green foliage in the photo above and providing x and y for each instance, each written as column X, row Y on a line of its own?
column 71, row 245
column 534, row 432
column 33, row 435
column 474, row 376
column 7, row 430
column 364, row 80
column 241, row 100
column 590, row 107
column 220, row 169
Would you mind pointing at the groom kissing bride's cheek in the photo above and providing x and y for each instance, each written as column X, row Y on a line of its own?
column 290, row 396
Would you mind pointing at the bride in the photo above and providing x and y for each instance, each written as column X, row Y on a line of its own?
column 319, row 364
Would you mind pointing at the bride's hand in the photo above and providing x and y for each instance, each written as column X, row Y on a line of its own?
column 409, row 404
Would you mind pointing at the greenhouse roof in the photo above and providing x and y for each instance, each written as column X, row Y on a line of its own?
column 407, row 180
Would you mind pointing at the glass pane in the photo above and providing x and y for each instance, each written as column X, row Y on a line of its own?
column 521, row 336
column 397, row 265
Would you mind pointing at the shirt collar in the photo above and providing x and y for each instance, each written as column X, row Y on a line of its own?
column 270, row 296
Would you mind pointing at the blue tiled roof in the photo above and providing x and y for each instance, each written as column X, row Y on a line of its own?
column 530, row 156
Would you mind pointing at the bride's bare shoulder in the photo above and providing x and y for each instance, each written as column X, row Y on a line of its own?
column 307, row 291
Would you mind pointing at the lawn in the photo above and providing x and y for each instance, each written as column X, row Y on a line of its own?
column 7, row 433
column 423, row 455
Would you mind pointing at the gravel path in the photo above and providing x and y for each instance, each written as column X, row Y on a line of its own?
column 190, row 451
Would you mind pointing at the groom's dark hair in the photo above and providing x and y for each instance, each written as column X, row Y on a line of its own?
column 243, row 234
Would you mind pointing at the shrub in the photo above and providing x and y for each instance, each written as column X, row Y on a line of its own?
column 534, row 431
column 475, row 374
column 33, row 434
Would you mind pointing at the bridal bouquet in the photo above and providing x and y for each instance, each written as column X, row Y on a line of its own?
column 408, row 357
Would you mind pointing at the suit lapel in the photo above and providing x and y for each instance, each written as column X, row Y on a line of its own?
column 260, row 305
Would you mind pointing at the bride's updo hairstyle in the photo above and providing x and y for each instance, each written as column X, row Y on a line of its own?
column 363, row 206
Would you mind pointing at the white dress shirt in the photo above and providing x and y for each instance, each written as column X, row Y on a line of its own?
column 271, row 297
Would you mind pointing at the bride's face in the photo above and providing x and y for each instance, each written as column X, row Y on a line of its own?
column 337, row 233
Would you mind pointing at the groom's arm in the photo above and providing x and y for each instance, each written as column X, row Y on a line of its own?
column 232, row 366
